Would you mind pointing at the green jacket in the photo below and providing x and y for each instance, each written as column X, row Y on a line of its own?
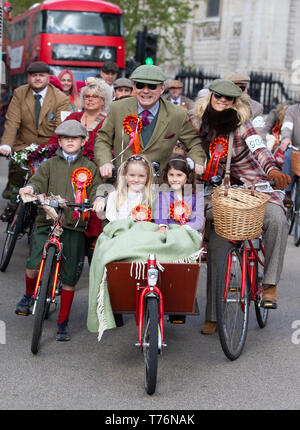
column 172, row 125
column 54, row 176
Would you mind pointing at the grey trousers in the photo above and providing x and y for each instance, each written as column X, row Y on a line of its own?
column 275, row 228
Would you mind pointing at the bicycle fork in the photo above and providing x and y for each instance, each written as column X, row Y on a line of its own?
column 53, row 241
column 151, row 290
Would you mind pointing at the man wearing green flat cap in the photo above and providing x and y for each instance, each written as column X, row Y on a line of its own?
column 163, row 124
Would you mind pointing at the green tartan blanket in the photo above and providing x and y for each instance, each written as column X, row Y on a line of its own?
column 128, row 240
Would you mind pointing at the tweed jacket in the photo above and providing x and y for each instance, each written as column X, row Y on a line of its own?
column 291, row 124
column 251, row 160
column 172, row 124
column 54, row 176
column 20, row 127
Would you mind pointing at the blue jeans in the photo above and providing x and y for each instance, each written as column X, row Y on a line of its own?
column 287, row 168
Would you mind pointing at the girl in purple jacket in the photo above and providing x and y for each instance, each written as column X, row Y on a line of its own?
column 180, row 201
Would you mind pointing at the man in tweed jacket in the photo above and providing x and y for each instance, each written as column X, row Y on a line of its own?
column 166, row 124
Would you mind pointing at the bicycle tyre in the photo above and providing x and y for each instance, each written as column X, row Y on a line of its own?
column 297, row 216
column 232, row 320
column 150, row 344
column 290, row 214
column 42, row 306
column 262, row 314
column 13, row 229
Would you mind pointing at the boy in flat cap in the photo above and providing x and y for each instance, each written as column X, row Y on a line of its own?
column 163, row 124
column 175, row 96
column 56, row 176
column 123, row 88
column 34, row 112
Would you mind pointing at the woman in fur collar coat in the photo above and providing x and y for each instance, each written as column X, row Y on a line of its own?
column 216, row 116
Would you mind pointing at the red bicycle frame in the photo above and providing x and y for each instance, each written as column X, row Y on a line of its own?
column 249, row 259
column 141, row 295
column 53, row 241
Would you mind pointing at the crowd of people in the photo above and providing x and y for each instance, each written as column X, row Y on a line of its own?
column 108, row 121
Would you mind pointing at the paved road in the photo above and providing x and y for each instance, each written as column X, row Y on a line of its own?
column 193, row 371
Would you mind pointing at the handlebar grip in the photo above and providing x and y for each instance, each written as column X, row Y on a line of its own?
column 115, row 171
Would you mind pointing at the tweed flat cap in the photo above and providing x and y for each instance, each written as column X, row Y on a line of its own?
column 238, row 77
column 175, row 84
column 123, row 82
column 71, row 128
column 148, row 74
column 38, row 67
column 225, row 87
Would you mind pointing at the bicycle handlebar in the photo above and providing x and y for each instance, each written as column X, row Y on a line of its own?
column 293, row 147
column 53, row 203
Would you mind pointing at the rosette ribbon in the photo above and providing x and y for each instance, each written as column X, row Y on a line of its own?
column 133, row 126
column 180, row 211
column 81, row 179
column 141, row 213
column 218, row 149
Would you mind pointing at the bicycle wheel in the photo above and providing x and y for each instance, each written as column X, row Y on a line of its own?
column 290, row 214
column 232, row 309
column 261, row 313
column 13, row 229
column 297, row 215
column 150, row 344
column 43, row 301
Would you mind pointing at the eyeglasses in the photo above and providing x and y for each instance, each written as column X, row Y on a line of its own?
column 219, row 96
column 141, row 85
column 94, row 96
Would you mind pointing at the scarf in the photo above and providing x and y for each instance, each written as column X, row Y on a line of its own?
column 215, row 123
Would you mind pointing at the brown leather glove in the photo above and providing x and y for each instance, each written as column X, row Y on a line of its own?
column 281, row 179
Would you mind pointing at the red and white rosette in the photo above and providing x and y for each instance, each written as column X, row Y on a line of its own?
column 180, row 211
column 81, row 179
column 141, row 213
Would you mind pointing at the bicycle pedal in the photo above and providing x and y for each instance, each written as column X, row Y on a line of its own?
column 176, row 319
column 24, row 314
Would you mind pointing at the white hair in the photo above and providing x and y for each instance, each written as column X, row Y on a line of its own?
column 102, row 89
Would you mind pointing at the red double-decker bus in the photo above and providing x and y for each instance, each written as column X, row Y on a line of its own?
column 76, row 34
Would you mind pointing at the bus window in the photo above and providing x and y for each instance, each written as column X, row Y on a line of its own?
column 88, row 23
column 20, row 30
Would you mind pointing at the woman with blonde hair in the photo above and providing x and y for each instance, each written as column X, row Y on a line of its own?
column 221, row 117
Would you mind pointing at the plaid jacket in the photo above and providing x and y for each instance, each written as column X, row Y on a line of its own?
column 251, row 160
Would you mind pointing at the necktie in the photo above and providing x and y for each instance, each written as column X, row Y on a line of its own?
column 145, row 120
column 175, row 103
column 37, row 108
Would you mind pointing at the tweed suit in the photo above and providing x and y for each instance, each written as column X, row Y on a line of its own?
column 172, row 124
column 20, row 127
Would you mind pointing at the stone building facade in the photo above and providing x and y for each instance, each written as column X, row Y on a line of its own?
column 245, row 35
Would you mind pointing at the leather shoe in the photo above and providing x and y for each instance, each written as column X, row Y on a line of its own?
column 209, row 327
column 269, row 298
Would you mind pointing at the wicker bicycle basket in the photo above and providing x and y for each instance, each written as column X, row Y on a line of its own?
column 296, row 162
column 240, row 214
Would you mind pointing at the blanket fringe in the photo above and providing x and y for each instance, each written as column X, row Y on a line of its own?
column 100, row 307
column 140, row 267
